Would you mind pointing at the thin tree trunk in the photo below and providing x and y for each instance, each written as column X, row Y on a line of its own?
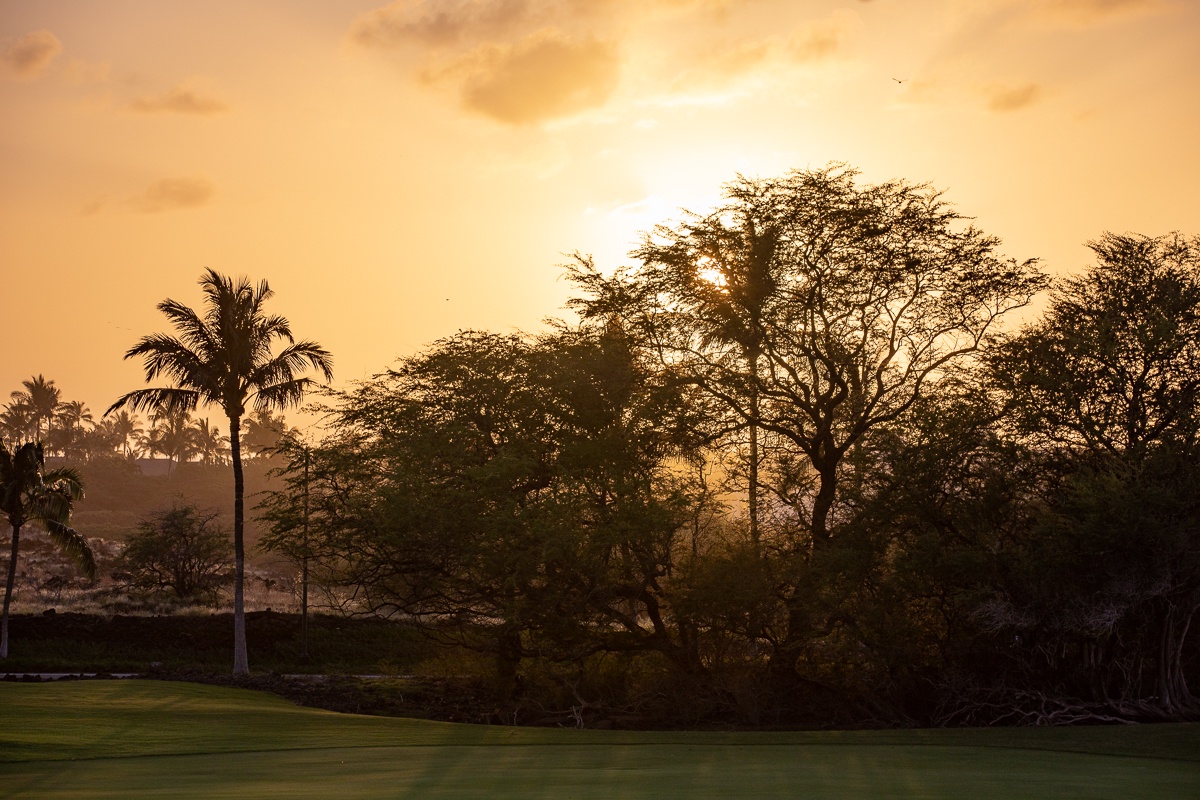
column 241, row 662
column 8, row 590
column 304, row 569
column 752, row 495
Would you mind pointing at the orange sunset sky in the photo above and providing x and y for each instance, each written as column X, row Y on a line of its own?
column 400, row 171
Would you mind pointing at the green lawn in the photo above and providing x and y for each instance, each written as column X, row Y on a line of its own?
column 131, row 739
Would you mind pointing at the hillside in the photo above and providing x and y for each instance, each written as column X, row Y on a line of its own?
column 120, row 492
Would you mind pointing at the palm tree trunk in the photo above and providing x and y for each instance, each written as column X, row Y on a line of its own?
column 241, row 662
column 8, row 590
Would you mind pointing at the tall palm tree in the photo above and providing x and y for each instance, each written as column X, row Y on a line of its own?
column 74, row 420
column 127, row 427
column 223, row 357
column 172, row 435
column 264, row 431
column 42, row 398
column 30, row 494
column 17, row 421
column 208, row 443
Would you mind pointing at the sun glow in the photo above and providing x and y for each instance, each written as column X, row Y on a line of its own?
column 709, row 273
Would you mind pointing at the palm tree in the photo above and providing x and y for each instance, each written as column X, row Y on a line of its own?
column 264, row 431
column 223, row 357
column 127, row 428
column 41, row 397
column 208, row 443
column 74, row 420
column 30, row 494
column 17, row 421
column 172, row 435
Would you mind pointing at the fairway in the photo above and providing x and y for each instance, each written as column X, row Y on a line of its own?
column 132, row 739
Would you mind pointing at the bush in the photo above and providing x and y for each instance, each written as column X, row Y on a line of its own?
column 181, row 550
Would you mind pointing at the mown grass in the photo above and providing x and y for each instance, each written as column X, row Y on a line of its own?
column 132, row 739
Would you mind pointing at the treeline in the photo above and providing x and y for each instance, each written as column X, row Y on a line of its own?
column 68, row 429
column 787, row 468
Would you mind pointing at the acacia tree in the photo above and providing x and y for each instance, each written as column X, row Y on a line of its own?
column 223, row 356
column 183, row 549
column 719, row 271
column 855, row 298
column 1107, row 384
column 819, row 311
column 30, row 494
column 513, row 492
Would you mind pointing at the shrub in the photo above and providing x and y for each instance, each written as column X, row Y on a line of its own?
column 181, row 550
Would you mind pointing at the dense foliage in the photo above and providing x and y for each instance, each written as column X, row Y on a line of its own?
column 787, row 468
column 795, row 465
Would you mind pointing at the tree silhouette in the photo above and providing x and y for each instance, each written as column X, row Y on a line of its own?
column 223, row 357
column 208, row 443
column 721, row 270
column 17, row 421
column 172, row 434
column 40, row 399
column 74, row 421
column 29, row 494
column 127, row 428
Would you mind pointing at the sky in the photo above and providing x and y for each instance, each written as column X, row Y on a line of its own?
column 401, row 171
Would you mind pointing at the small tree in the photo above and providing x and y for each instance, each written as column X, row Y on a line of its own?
column 28, row 493
column 181, row 549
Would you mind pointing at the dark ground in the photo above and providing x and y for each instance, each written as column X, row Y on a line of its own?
column 198, row 648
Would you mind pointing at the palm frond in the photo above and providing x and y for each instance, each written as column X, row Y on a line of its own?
column 164, row 399
column 72, row 544
column 291, row 361
column 65, row 479
column 192, row 330
column 287, row 394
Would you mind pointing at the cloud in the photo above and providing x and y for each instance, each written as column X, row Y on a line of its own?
column 819, row 40
column 750, row 62
column 93, row 207
column 180, row 100
column 524, row 62
column 172, row 194
column 30, row 54
column 1004, row 99
column 86, row 74
column 440, row 22
column 542, row 77
column 1093, row 11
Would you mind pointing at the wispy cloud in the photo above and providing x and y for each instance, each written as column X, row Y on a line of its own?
column 1003, row 99
column 437, row 23
column 523, row 62
column 180, row 100
column 173, row 194
column 29, row 55
column 1090, row 12
column 755, row 60
column 819, row 40
column 544, row 76
column 518, row 62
